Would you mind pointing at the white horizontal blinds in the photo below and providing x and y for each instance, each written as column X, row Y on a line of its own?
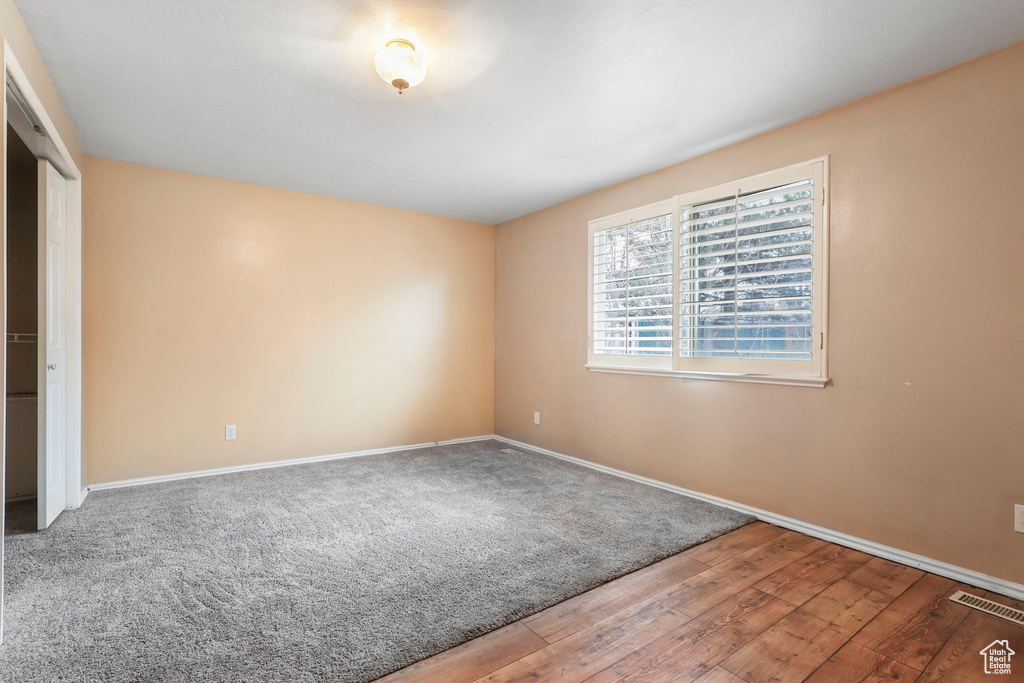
column 632, row 293
column 746, row 275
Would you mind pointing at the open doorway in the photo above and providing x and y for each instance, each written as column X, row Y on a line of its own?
column 22, row 352
column 55, row 188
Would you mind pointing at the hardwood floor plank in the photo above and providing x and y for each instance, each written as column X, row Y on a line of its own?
column 586, row 652
column 847, row 606
column 693, row 649
column 805, row 578
column 885, row 576
column 577, row 613
column 915, row 626
column 720, row 675
column 788, row 651
column 703, row 591
column 960, row 658
column 769, row 611
column 729, row 545
column 472, row 659
column 855, row 663
column 802, row 641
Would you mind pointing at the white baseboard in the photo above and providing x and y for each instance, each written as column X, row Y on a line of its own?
column 468, row 439
column 276, row 463
column 969, row 576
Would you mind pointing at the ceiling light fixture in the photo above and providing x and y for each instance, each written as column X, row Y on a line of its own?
column 400, row 65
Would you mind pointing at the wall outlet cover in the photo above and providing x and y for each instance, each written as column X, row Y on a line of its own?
column 1018, row 518
column 229, row 433
column 536, row 418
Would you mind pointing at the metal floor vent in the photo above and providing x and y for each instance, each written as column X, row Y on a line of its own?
column 993, row 608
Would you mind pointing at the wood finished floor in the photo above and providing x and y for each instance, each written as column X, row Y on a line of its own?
column 758, row 604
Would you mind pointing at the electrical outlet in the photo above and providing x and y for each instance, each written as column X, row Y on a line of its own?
column 536, row 418
column 1018, row 518
column 229, row 433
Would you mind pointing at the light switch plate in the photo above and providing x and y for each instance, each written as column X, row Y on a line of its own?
column 536, row 418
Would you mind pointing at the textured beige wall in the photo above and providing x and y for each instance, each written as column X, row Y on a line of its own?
column 918, row 444
column 316, row 325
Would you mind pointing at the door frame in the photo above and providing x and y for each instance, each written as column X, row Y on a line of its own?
column 56, row 153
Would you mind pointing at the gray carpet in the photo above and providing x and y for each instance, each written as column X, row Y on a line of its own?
column 336, row 571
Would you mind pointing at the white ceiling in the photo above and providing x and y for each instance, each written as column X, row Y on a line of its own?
column 526, row 102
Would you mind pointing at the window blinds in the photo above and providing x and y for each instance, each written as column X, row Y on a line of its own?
column 746, row 275
column 633, row 288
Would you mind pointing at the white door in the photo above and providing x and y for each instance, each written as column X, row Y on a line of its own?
column 51, row 405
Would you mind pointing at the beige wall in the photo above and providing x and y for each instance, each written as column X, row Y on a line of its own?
column 920, row 442
column 316, row 325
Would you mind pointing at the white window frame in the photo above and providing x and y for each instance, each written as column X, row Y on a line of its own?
column 764, row 371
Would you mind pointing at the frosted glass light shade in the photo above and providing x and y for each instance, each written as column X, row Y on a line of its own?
column 400, row 65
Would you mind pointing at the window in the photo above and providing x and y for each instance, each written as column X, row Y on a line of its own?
column 633, row 287
column 724, row 283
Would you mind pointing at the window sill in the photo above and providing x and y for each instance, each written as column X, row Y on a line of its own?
column 786, row 380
